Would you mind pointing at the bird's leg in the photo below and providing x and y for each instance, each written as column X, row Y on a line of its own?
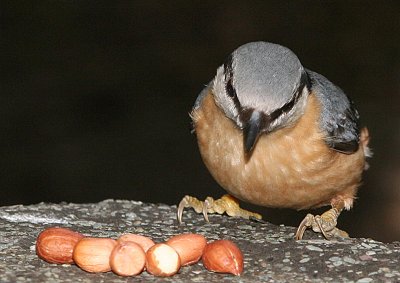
column 325, row 223
column 226, row 204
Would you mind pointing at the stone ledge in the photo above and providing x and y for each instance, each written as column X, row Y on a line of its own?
column 270, row 251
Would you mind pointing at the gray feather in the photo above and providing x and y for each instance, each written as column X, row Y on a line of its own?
column 339, row 118
column 265, row 75
column 200, row 97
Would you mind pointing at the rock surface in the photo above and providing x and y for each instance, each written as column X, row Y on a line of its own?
column 270, row 252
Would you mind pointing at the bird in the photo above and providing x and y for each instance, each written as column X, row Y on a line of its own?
column 275, row 134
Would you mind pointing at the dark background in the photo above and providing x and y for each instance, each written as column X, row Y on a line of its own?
column 95, row 95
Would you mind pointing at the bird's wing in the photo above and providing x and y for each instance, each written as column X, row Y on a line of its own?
column 339, row 118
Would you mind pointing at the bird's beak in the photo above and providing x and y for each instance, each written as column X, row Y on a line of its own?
column 252, row 131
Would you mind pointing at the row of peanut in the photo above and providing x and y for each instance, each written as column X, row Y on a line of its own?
column 131, row 254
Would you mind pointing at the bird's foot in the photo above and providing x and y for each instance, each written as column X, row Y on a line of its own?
column 325, row 224
column 226, row 204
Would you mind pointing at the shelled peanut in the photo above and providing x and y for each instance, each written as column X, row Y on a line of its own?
column 130, row 254
column 56, row 245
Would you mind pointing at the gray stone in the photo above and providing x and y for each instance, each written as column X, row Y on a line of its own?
column 314, row 248
column 271, row 253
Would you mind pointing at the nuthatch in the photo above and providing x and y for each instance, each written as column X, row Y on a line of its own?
column 273, row 133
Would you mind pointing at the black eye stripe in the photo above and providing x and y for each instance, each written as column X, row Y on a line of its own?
column 304, row 82
column 231, row 91
column 229, row 88
column 228, row 69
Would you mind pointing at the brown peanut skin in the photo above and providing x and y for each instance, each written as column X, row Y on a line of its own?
column 127, row 259
column 223, row 256
column 189, row 247
column 93, row 254
column 56, row 245
column 143, row 241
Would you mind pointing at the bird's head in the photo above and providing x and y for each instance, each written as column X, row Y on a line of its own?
column 261, row 87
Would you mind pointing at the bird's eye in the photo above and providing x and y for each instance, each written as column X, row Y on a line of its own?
column 230, row 90
column 228, row 71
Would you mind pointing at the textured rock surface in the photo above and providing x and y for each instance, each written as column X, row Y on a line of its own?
column 270, row 251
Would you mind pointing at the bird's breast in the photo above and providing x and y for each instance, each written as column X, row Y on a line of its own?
column 289, row 168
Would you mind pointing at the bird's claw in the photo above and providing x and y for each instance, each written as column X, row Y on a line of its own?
column 189, row 201
column 226, row 204
column 325, row 224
